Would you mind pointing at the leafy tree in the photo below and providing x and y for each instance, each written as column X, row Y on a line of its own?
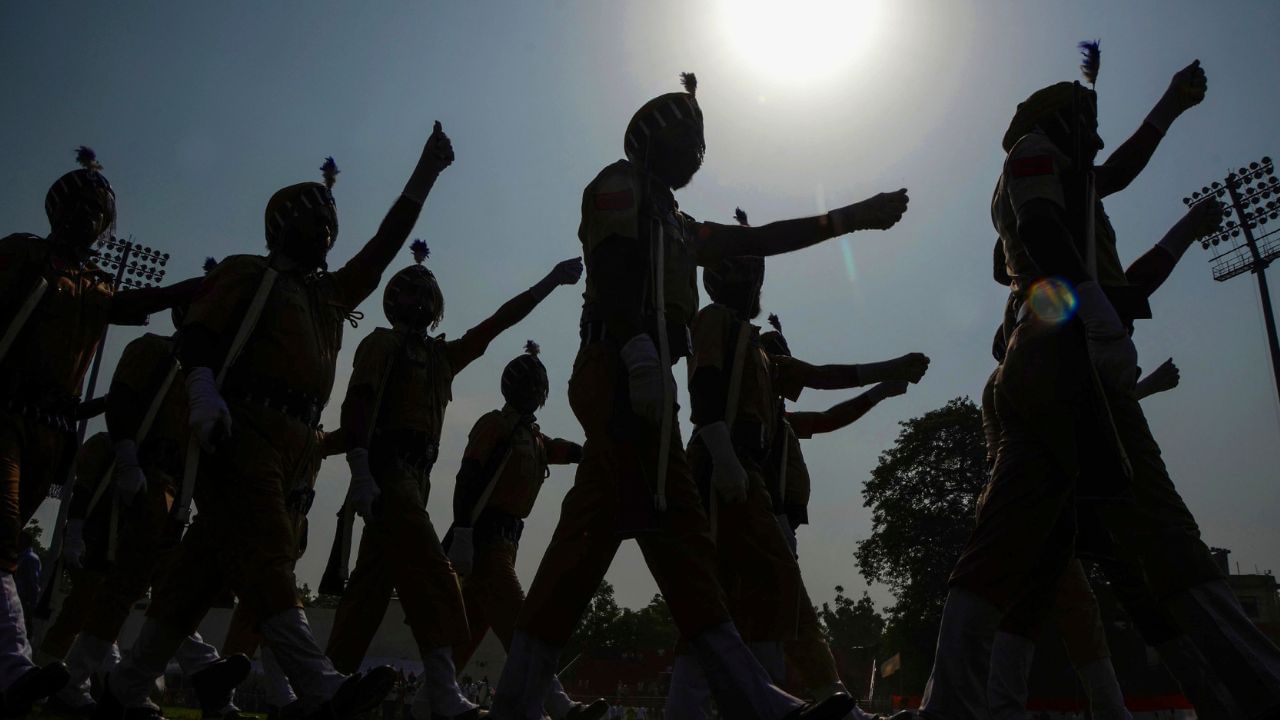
column 922, row 497
column 606, row 628
column 849, row 623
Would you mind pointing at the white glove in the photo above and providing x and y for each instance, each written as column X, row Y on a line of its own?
column 208, row 415
column 461, row 552
column 727, row 475
column 645, row 377
column 788, row 533
column 364, row 489
column 129, row 477
column 1110, row 347
column 73, row 543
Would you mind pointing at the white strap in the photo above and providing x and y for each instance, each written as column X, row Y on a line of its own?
column 183, row 511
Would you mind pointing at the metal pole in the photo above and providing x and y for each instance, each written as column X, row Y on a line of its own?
column 1259, row 269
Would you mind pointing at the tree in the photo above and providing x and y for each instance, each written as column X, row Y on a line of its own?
column 922, row 496
column 849, row 623
column 606, row 628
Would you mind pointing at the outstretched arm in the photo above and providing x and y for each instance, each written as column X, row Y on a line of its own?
column 1185, row 91
column 1154, row 267
column 844, row 414
column 474, row 342
column 131, row 307
column 908, row 368
column 363, row 272
column 880, row 212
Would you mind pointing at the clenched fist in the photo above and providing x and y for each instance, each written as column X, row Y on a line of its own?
column 879, row 212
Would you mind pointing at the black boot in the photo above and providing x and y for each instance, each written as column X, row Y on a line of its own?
column 595, row 711
column 216, row 682
column 359, row 694
column 835, row 707
column 36, row 684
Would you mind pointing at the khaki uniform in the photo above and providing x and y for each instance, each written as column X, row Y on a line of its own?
column 1050, row 406
column 148, row 536
column 41, row 375
column 492, row 592
column 400, row 549
column 613, row 491
column 757, row 568
column 809, row 657
column 252, row 492
column 1055, row 442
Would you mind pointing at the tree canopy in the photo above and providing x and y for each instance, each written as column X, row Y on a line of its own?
column 922, row 495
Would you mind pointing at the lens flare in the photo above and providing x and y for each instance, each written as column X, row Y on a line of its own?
column 1052, row 300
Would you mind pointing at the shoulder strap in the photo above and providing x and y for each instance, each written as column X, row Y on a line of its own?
column 504, row 451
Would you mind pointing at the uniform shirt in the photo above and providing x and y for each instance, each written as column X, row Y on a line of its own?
column 49, row 358
column 613, row 208
column 795, row 499
column 142, row 369
column 419, row 372
column 419, row 380
column 764, row 378
column 1036, row 169
column 531, row 451
column 294, row 346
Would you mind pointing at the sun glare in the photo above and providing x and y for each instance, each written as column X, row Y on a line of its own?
column 800, row 41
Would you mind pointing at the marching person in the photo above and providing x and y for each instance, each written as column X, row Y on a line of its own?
column 733, row 388
column 254, row 408
column 642, row 255
column 502, row 471
column 55, row 304
column 809, row 656
column 401, row 384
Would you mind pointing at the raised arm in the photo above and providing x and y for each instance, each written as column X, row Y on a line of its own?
column 1154, row 267
column 1185, row 91
column 474, row 342
column 880, row 212
column 363, row 272
column 844, row 414
column 908, row 368
column 131, row 307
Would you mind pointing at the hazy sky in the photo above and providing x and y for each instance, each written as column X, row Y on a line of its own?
column 200, row 112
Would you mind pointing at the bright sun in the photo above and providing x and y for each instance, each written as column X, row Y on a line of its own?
column 799, row 41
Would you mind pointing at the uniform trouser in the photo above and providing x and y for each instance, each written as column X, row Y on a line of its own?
column 756, row 567
column 809, row 658
column 243, row 638
column 146, row 549
column 615, row 458
column 75, row 607
column 1049, row 429
column 1073, row 607
column 32, row 456
column 245, row 535
column 493, row 596
column 399, row 550
column 1155, row 524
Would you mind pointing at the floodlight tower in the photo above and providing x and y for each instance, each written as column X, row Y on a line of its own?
column 1254, row 195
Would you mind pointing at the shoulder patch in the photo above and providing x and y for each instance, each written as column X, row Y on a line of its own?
column 1031, row 166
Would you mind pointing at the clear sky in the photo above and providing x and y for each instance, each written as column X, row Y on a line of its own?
column 200, row 111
